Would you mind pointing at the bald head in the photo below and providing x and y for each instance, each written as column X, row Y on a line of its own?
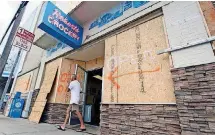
column 74, row 77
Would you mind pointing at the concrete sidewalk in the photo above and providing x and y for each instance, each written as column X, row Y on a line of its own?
column 9, row 126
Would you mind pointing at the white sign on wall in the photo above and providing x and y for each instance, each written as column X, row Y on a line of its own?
column 23, row 39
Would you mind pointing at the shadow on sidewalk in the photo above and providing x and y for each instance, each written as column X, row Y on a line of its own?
column 93, row 130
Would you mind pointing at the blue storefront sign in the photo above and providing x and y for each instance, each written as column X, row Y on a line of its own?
column 57, row 47
column 116, row 12
column 61, row 26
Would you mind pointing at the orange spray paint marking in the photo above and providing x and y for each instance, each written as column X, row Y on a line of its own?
column 141, row 71
column 60, row 88
column 63, row 77
column 111, row 78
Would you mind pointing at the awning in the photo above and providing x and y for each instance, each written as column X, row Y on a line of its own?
column 82, row 13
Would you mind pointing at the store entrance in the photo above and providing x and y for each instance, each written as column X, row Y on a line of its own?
column 93, row 97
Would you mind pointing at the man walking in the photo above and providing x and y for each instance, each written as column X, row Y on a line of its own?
column 75, row 89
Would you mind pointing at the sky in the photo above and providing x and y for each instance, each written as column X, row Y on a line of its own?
column 7, row 11
column 5, row 17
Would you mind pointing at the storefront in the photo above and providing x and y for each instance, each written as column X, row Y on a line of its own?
column 119, row 69
column 127, row 88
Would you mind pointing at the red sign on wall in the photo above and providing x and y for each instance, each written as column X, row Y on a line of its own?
column 23, row 39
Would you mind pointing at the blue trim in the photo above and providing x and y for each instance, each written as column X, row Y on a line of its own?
column 116, row 12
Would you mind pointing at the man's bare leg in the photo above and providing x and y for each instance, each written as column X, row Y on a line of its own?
column 67, row 117
column 80, row 119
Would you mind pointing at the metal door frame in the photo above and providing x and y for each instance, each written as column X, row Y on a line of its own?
column 85, row 86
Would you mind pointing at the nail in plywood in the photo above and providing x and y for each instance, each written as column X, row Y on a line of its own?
column 49, row 76
column 130, row 85
column 159, row 84
column 110, row 70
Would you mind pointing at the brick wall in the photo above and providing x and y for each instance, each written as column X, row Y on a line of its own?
column 54, row 113
column 195, row 97
column 139, row 120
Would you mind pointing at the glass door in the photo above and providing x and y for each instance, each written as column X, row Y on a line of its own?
column 81, row 74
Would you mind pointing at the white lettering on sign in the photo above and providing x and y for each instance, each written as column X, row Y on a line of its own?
column 23, row 39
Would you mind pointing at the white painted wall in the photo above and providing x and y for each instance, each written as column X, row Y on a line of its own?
column 40, row 74
column 184, row 24
column 33, row 59
column 66, row 6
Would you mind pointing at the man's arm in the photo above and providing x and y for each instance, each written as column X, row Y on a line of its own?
column 69, row 88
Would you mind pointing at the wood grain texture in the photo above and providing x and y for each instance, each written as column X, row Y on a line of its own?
column 23, row 83
column 49, row 76
column 95, row 64
column 159, row 84
column 130, row 85
column 66, row 71
column 142, row 76
column 110, row 66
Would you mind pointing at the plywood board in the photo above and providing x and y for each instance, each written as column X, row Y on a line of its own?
column 52, row 95
column 158, row 84
column 66, row 71
column 110, row 84
column 142, row 76
column 23, row 83
column 95, row 64
column 41, row 97
column 49, row 76
column 128, row 79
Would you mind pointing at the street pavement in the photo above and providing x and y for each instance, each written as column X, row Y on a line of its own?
column 9, row 126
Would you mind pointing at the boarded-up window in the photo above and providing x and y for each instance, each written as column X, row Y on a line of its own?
column 23, row 83
column 66, row 70
column 133, row 72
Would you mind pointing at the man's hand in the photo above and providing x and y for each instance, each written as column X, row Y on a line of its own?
column 68, row 86
column 68, row 90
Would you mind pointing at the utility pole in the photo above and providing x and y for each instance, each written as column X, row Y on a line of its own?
column 9, row 79
column 8, row 46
